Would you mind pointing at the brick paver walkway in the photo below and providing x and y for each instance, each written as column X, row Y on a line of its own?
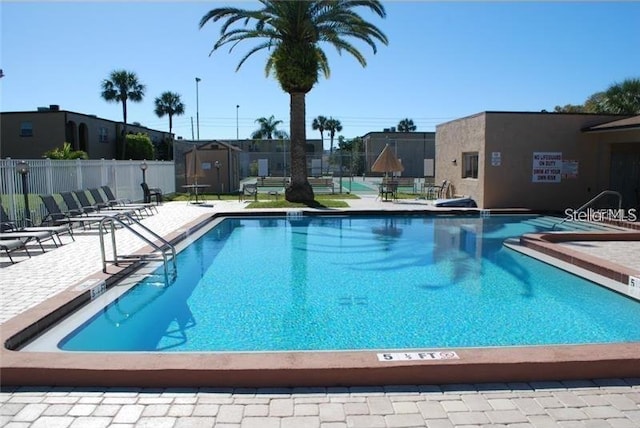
column 588, row 403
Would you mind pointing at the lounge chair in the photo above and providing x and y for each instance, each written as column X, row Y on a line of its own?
column 57, row 216
column 10, row 245
column 151, row 193
column 6, row 225
column 111, row 198
column 97, row 207
column 112, row 204
column 39, row 237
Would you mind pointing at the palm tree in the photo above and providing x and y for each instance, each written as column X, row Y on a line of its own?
column 623, row 98
column 121, row 86
column 169, row 104
column 319, row 124
column 291, row 31
column 333, row 126
column 406, row 125
column 268, row 129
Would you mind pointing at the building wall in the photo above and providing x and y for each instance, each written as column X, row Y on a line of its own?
column 453, row 139
column 48, row 133
column 51, row 128
column 412, row 148
column 516, row 137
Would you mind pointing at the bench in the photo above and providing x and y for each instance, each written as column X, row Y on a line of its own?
column 322, row 184
column 272, row 182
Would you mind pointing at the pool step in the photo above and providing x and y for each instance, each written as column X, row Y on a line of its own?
column 548, row 223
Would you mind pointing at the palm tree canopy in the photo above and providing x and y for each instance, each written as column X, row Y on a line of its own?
column 169, row 104
column 292, row 32
column 406, row 125
column 623, row 98
column 268, row 129
column 121, row 86
column 333, row 126
column 318, row 124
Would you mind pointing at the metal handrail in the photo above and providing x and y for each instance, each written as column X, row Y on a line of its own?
column 592, row 200
column 112, row 220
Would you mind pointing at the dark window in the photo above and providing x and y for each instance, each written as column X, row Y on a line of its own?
column 26, row 129
column 470, row 165
column 103, row 134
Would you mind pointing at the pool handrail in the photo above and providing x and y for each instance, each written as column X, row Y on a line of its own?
column 591, row 201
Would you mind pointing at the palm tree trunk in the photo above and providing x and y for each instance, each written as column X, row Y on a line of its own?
column 124, row 129
column 299, row 190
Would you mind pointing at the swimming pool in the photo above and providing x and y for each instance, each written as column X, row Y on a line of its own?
column 363, row 282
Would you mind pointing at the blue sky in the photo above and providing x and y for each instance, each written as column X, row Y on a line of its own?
column 445, row 60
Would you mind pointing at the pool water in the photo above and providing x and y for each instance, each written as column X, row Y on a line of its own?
column 346, row 283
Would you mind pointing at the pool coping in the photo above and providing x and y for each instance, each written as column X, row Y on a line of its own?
column 285, row 369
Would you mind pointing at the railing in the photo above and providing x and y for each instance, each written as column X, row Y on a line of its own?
column 591, row 201
column 48, row 176
column 159, row 253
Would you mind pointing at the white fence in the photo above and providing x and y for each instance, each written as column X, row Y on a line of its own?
column 48, row 177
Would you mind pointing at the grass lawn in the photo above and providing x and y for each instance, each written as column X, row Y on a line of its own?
column 267, row 201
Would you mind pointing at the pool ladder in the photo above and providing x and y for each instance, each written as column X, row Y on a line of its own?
column 591, row 201
column 162, row 249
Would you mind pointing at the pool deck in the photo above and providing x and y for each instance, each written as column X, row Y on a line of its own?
column 29, row 285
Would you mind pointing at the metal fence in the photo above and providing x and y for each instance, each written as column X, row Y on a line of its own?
column 48, row 176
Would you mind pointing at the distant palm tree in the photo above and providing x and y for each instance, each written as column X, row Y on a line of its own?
column 268, row 129
column 291, row 32
column 333, row 126
column 319, row 124
column 406, row 125
column 169, row 104
column 121, row 86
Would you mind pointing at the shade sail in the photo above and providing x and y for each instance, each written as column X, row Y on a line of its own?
column 387, row 162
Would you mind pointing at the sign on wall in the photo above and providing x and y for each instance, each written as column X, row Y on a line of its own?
column 569, row 168
column 496, row 158
column 547, row 167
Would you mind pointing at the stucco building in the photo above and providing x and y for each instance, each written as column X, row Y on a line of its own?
column 542, row 161
column 29, row 134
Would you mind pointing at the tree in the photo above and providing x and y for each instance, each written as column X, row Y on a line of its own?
column 319, row 124
column 291, row 32
column 333, row 126
column 623, row 98
column 140, row 146
column 65, row 153
column 121, row 86
column 569, row 108
column 406, row 125
column 619, row 98
column 169, row 104
column 268, row 129
column 596, row 103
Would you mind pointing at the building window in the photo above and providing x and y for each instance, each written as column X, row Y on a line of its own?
column 103, row 134
column 26, row 129
column 470, row 165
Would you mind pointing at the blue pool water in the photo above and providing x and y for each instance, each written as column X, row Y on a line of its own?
column 337, row 283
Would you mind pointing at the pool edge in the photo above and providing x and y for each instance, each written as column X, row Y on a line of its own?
column 297, row 368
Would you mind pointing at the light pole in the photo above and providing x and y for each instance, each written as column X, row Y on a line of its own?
column 197, row 109
column 22, row 168
column 143, row 168
column 237, row 129
column 217, row 164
